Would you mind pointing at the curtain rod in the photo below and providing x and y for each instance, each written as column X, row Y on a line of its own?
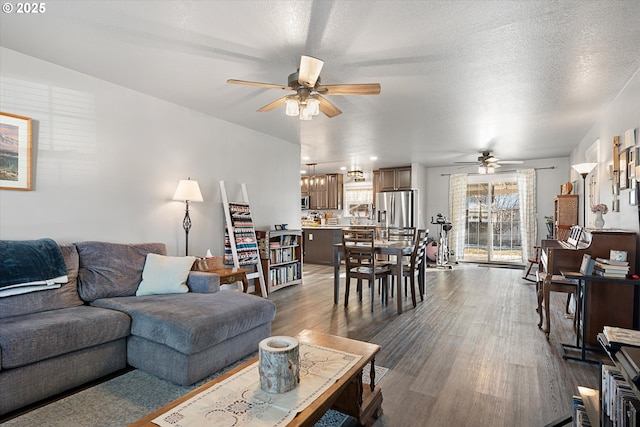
column 497, row 173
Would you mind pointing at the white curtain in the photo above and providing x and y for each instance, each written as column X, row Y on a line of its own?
column 458, row 212
column 528, row 211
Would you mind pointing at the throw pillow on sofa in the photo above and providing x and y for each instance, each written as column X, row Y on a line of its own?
column 165, row 275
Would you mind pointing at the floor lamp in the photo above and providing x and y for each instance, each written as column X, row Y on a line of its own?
column 584, row 169
column 187, row 191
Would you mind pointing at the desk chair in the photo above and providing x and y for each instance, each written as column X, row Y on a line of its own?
column 549, row 282
column 360, row 264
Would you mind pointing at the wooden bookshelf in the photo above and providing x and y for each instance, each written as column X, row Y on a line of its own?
column 281, row 257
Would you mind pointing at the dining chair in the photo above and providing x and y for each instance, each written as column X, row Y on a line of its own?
column 401, row 233
column 411, row 272
column 549, row 282
column 360, row 264
column 398, row 234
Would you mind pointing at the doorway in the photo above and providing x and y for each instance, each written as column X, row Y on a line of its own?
column 493, row 220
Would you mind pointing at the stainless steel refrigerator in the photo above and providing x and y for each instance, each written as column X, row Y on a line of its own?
column 396, row 209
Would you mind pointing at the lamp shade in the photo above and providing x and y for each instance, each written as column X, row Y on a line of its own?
column 188, row 190
column 584, row 168
column 292, row 107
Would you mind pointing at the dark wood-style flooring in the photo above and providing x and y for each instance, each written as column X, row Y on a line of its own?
column 470, row 354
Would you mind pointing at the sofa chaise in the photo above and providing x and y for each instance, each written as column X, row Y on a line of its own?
column 114, row 311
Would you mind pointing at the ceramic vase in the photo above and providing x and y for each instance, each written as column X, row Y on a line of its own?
column 599, row 222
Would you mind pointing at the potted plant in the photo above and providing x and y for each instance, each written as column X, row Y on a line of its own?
column 549, row 221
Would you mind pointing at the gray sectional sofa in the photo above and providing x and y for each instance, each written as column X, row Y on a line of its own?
column 57, row 339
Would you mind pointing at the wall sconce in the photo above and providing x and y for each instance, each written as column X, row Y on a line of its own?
column 187, row 191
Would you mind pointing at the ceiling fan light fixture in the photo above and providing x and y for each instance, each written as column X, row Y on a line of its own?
column 313, row 105
column 292, row 108
column 482, row 170
column 305, row 114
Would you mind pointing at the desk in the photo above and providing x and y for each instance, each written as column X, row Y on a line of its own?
column 583, row 281
column 398, row 249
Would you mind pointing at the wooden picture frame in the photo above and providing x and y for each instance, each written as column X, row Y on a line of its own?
column 15, row 152
column 623, row 180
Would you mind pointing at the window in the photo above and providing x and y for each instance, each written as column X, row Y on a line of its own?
column 358, row 200
column 493, row 220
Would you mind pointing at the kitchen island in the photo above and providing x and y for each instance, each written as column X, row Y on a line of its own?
column 319, row 241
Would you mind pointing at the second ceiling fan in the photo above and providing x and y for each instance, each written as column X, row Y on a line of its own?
column 308, row 100
column 488, row 164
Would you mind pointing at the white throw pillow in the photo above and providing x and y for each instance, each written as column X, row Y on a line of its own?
column 165, row 275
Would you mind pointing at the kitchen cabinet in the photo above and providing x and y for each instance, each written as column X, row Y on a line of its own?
column 376, row 186
column 393, row 179
column 335, row 183
column 318, row 192
column 325, row 191
column 304, row 185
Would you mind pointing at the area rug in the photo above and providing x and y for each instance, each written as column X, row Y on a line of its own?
column 129, row 397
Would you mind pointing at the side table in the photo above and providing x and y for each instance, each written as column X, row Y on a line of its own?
column 231, row 275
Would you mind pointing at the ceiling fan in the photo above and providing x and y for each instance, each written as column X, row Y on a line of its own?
column 488, row 164
column 308, row 100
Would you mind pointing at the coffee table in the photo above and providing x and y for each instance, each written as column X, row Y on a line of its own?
column 350, row 394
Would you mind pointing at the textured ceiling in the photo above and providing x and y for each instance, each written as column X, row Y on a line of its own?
column 526, row 79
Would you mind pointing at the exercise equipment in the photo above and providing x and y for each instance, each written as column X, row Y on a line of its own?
column 442, row 256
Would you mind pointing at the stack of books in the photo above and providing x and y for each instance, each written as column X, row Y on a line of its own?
column 614, row 337
column 611, row 268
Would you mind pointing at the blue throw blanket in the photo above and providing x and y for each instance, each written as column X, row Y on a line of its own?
column 26, row 261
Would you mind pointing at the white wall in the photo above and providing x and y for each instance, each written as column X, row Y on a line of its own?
column 107, row 161
column 622, row 114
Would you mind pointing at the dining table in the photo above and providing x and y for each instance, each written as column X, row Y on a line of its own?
column 399, row 249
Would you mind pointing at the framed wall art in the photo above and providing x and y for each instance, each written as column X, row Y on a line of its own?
column 15, row 152
column 623, row 177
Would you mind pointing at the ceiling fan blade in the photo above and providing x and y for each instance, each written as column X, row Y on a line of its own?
column 350, row 89
column 328, row 108
column 278, row 102
column 266, row 85
column 309, row 70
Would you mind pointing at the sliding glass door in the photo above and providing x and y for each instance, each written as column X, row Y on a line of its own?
column 493, row 220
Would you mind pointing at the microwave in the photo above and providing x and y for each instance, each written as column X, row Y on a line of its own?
column 304, row 202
